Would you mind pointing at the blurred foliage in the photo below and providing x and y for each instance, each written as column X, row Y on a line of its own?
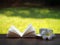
column 22, row 17
column 18, row 3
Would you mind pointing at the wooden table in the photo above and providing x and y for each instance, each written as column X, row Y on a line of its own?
column 28, row 41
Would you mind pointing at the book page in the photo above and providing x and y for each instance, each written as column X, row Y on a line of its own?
column 14, row 32
column 29, row 32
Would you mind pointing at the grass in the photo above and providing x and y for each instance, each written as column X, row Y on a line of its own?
column 22, row 17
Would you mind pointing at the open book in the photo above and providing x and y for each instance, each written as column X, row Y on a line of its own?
column 14, row 32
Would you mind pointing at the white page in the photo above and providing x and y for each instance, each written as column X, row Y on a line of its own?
column 29, row 29
column 14, row 30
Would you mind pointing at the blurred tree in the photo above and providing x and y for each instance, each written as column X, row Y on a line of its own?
column 7, row 3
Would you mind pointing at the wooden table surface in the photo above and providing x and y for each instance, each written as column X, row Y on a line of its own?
column 28, row 41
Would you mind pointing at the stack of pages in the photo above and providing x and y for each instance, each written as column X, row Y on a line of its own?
column 14, row 32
